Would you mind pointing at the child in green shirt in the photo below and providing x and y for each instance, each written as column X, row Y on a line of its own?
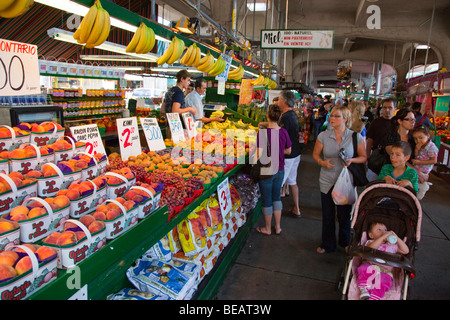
column 398, row 172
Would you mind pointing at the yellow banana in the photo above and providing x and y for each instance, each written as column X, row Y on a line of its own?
column 193, row 55
column 5, row 4
column 151, row 42
column 221, row 64
column 203, row 60
column 142, row 43
column 76, row 34
column 177, row 51
column 258, row 81
column 88, row 23
column 216, row 66
column 206, row 66
column 16, row 8
column 105, row 30
column 161, row 60
column 187, row 55
column 131, row 47
column 97, row 27
column 266, row 81
column 198, row 55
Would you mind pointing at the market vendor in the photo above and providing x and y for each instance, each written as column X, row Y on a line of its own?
column 194, row 100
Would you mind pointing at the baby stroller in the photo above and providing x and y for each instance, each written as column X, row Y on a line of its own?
column 398, row 209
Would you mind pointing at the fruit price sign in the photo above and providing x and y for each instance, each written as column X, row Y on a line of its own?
column 128, row 133
column 175, row 127
column 190, row 124
column 227, row 62
column 19, row 69
column 153, row 134
column 89, row 133
column 223, row 192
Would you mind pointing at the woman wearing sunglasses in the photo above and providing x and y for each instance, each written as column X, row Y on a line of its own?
column 402, row 126
column 329, row 143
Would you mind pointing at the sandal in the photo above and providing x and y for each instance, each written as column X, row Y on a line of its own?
column 320, row 250
column 277, row 233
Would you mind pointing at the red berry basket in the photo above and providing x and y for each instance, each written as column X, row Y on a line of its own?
column 198, row 192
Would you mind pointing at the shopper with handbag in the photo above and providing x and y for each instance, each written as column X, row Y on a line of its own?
column 329, row 144
column 273, row 144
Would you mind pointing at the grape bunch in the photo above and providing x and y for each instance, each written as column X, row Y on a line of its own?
column 115, row 164
column 139, row 171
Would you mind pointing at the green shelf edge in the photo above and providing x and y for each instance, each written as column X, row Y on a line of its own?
column 104, row 271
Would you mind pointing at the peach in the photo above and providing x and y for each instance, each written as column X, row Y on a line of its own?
column 52, row 238
column 33, row 174
column 80, row 235
column 19, row 210
column 99, row 181
column 69, row 225
column 34, row 204
column 112, row 214
column 51, row 203
column 102, row 208
column 7, row 225
column 113, row 180
column 23, row 265
column 17, row 181
column 5, row 154
column 49, row 172
column 19, row 217
column 99, row 215
column 67, row 237
column 87, row 219
column 61, row 201
column 73, row 194
column 45, row 252
column 129, row 194
column 8, row 257
column 18, row 154
column 37, row 128
column 96, row 226
column 28, row 181
column 15, row 174
column 4, row 187
column 81, row 164
column 30, row 246
column 120, row 200
column 61, row 192
column 36, row 212
column 7, row 272
column 30, row 152
column 112, row 205
column 129, row 204
column 138, row 198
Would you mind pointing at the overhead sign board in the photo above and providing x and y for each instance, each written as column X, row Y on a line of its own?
column 297, row 39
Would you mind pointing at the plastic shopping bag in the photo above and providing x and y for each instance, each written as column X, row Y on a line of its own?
column 344, row 192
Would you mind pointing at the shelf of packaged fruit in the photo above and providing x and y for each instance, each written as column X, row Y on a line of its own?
column 104, row 272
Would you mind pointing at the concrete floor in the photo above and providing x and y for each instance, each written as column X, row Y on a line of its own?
column 287, row 267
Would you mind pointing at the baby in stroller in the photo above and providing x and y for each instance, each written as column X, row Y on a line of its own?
column 374, row 281
column 381, row 212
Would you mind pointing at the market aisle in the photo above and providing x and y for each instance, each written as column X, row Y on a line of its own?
column 287, row 267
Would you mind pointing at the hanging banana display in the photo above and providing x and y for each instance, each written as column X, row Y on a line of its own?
column 143, row 40
column 264, row 81
column 173, row 52
column 14, row 8
column 192, row 56
column 95, row 26
column 237, row 73
column 206, row 63
column 218, row 67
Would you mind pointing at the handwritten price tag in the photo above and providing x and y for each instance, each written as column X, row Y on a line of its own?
column 223, row 192
column 176, row 128
column 153, row 134
column 128, row 133
column 189, row 122
column 91, row 136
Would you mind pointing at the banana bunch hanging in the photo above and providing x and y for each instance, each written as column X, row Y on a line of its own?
column 173, row 52
column 264, row 81
column 95, row 26
column 207, row 64
column 192, row 56
column 143, row 40
column 237, row 73
column 14, row 8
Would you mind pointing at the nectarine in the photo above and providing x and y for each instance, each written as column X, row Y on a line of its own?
column 7, row 225
column 73, row 194
column 23, row 265
column 99, row 215
column 67, row 237
column 36, row 212
column 112, row 214
column 87, row 219
column 45, row 252
column 7, row 272
column 96, row 226
column 8, row 257
column 61, row 201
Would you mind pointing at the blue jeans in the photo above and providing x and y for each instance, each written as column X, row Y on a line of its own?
column 329, row 223
column 270, row 189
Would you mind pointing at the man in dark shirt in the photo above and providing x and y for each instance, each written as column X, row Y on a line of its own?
column 289, row 120
column 378, row 130
column 174, row 98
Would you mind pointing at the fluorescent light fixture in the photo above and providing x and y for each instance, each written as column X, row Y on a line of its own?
column 67, row 36
column 129, row 68
column 174, row 70
column 133, row 77
column 107, row 57
column 76, row 8
column 421, row 46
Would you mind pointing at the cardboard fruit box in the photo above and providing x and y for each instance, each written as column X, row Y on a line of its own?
column 15, row 196
column 42, row 272
column 66, row 149
column 9, row 234
column 88, row 202
column 46, row 133
column 37, row 227
column 120, row 185
column 93, row 168
column 14, row 140
column 72, row 250
column 116, row 225
column 48, row 186
column 149, row 202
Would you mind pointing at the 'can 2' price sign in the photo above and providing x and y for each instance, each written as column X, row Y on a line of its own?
column 91, row 136
column 128, row 134
column 153, row 134
column 223, row 192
